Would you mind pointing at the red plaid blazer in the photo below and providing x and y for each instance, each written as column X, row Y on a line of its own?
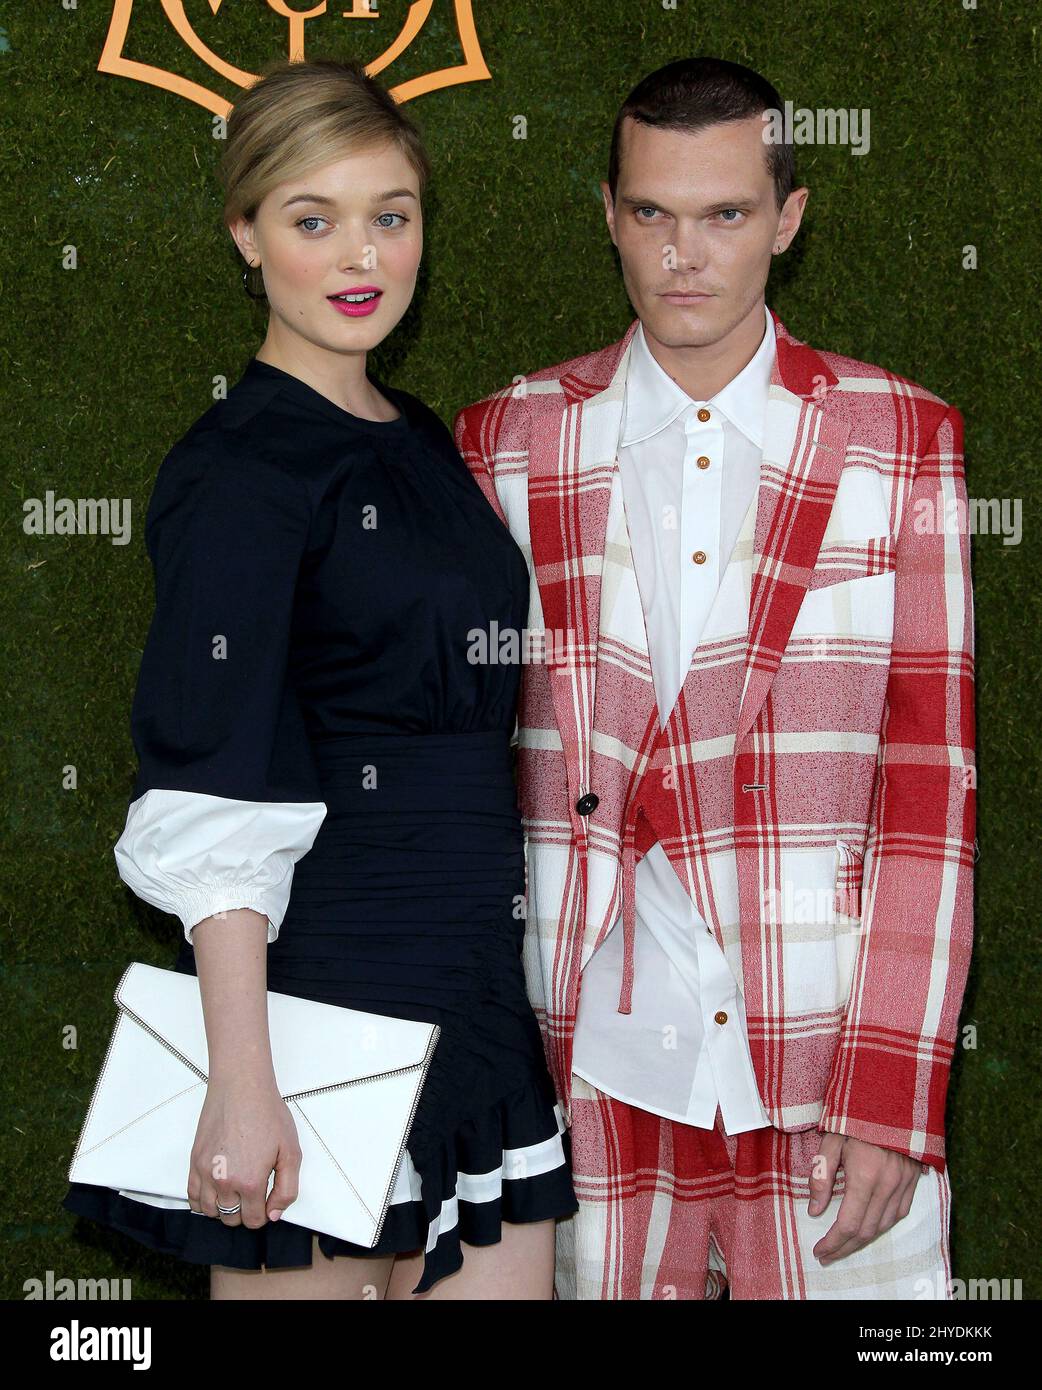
column 814, row 787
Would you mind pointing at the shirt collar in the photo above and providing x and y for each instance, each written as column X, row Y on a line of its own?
column 654, row 400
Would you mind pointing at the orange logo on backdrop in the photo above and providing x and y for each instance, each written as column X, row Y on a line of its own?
column 472, row 69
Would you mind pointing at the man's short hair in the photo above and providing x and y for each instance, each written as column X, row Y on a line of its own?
column 693, row 93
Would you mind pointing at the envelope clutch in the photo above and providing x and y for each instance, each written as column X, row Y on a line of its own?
column 352, row 1081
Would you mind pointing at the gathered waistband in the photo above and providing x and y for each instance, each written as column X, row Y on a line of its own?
column 380, row 773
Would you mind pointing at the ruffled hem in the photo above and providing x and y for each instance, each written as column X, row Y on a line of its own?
column 513, row 1164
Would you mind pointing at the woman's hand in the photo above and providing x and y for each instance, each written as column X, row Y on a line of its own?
column 245, row 1130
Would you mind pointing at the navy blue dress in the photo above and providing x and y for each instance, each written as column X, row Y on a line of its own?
column 317, row 740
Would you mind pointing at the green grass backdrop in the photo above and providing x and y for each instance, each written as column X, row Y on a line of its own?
column 105, row 365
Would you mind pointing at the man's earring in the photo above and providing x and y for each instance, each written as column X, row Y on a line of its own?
column 246, row 284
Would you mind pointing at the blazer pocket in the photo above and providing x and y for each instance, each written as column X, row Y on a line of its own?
column 849, row 872
column 853, row 560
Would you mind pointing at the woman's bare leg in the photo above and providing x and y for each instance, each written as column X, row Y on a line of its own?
column 520, row 1265
column 339, row 1278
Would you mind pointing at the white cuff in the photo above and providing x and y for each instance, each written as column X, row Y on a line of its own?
column 193, row 855
column 195, row 907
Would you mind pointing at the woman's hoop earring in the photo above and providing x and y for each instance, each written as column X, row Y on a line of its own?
column 246, row 284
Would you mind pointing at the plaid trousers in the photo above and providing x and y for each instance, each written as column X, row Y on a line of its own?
column 669, row 1211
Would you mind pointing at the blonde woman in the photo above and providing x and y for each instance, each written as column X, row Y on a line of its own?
column 325, row 796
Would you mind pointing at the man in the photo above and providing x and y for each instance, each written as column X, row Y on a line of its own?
column 746, row 765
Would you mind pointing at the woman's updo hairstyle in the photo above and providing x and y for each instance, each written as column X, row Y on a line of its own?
column 299, row 116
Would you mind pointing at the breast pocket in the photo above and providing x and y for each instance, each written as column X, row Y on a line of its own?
column 853, row 560
column 850, row 592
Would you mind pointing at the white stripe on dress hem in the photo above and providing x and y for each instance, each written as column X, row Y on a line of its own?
column 521, row 1163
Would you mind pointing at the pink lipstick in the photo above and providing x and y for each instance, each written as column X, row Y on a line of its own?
column 358, row 301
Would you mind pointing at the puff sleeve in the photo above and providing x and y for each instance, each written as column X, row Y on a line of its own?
column 226, row 799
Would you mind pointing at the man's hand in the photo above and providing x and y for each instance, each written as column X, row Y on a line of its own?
column 880, row 1185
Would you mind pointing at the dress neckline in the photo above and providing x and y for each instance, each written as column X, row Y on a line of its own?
column 296, row 386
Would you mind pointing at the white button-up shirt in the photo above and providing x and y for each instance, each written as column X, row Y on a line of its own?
column 669, row 1055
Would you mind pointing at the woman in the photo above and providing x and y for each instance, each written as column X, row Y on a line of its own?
column 307, row 719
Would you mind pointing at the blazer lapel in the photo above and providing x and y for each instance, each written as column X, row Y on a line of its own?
column 574, row 427
column 803, row 455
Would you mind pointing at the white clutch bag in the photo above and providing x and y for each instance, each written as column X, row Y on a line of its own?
column 352, row 1081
